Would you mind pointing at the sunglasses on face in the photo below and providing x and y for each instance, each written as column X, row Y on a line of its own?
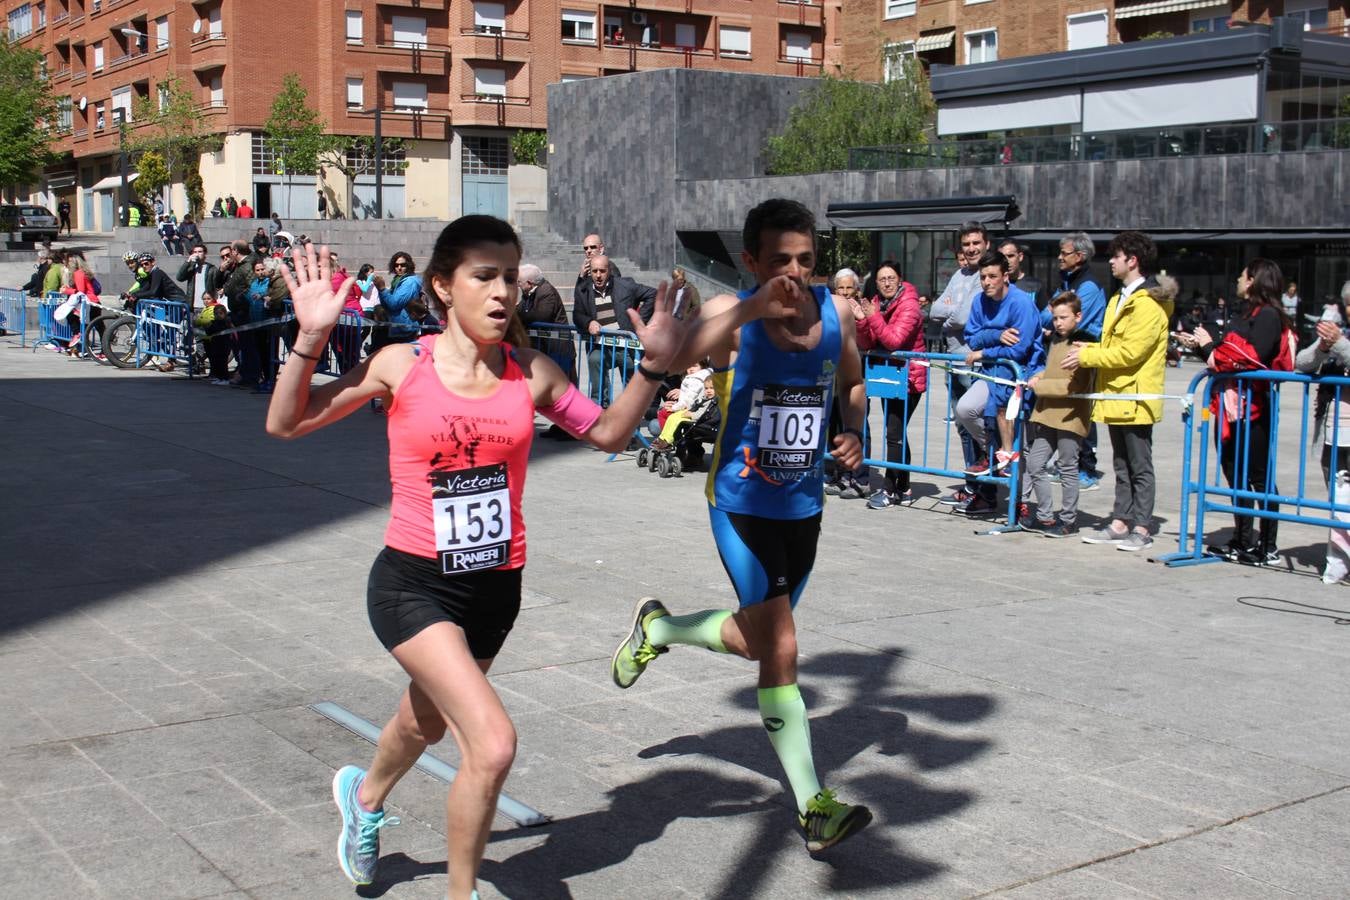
column 400, row 265
column 590, row 247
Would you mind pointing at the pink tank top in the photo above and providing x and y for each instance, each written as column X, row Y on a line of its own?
column 457, row 466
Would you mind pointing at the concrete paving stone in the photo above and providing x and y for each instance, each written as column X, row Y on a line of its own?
column 201, row 659
column 1194, row 790
column 285, row 779
column 1172, row 870
column 161, row 868
column 236, row 627
column 1078, row 884
column 98, row 814
column 44, row 768
column 255, row 691
column 180, row 747
column 117, row 673
column 20, row 726
column 195, row 797
column 20, row 837
column 271, row 848
column 558, row 687
column 1286, row 864
column 47, row 876
column 96, row 713
column 1316, row 823
column 1318, row 743
column 74, row 644
column 169, row 704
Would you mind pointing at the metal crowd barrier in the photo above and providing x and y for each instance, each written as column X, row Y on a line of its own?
column 14, row 313
column 887, row 378
column 165, row 331
column 1204, row 488
column 56, row 332
column 594, row 362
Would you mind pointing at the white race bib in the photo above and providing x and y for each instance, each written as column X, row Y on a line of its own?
column 791, row 420
column 471, row 510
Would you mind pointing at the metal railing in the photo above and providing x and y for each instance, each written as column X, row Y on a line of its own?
column 1154, row 143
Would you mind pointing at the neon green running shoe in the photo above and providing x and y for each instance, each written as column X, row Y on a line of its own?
column 827, row 821
column 635, row 651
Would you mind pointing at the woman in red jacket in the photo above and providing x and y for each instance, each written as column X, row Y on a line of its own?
column 893, row 321
column 1257, row 337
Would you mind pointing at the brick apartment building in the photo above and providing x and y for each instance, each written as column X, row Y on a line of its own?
column 962, row 32
column 453, row 80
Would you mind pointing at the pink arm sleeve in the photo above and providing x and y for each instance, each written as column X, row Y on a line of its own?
column 573, row 412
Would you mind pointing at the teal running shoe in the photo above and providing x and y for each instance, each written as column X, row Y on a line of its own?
column 631, row 658
column 358, row 846
column 827, row 821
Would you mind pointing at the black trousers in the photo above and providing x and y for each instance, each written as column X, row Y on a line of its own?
column 898, row 413
column 1249, row 440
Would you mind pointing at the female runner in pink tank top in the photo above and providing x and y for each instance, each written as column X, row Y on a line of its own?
column 445, row 591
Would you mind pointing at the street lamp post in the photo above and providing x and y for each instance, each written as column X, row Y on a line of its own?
column 379, row 167
column 121, row 116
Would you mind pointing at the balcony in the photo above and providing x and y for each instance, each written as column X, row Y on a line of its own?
column 77, row 77
column 60, row 74
column 403, row 123
column 209, row 51
column 404, row 60
column 497, row 108
column 801, row 12
column 801, row 66
column 633, row 56
column 507, row 46
column 441, row 5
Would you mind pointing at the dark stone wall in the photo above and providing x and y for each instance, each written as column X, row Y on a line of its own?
column 622, row 144
column 1305, row 190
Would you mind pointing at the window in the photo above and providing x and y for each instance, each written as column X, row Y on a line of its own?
column 484, row 155
column 566, row 77
column 981, row 46
column 489, row 18
column 64, row 115
column 41, row 9
column 613, row 29
column 895, row 54
column 355, row 25
column 798, row 45
column 685, row 35
column 213, row 26
column 162, row 96
column 100, row 121
column 491, row 82
column 361, row 158
column 98, row 57
column 410, row 95
column 578, row 26
column 21, row 21
column 217, row 90
column 162, row 33
column 897, row 8
column 410, row 31
column 1208, row 23
column 121, row 99
column 1087, row 30
column 1312, row 13
column 733, row 41
column 356, row 93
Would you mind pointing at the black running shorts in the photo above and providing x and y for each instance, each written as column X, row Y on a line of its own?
column 407, row 593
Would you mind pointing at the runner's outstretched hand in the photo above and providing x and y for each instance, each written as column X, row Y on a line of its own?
column 781, row 297
column 663, row 335
column 317, row 306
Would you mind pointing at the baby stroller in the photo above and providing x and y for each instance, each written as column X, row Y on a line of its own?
column 686, row 449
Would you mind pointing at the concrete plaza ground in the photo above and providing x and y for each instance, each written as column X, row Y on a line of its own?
column 1026, row 718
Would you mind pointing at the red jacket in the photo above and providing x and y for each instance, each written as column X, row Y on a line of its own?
column 899, row 327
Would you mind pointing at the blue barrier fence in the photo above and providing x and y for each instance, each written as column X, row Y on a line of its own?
column 60, row 331
column 1249, row 449
column 14, row 313
column 932, row 452
column 165, row 331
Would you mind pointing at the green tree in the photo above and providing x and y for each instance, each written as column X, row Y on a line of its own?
column 295, row 132
column 839, row 113
column 28, row 115
column 173, row 126
column 153, row 174
column 355, row 156
column 528, row 146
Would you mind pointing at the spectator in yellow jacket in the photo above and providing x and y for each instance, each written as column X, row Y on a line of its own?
column 1131, row 360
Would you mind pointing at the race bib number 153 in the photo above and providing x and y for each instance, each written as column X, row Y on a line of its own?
column 471, row 509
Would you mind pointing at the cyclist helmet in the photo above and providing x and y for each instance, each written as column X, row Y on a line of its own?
column 129, row 258
column 146, row 258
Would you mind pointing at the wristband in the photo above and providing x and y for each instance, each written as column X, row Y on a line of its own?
column 649, row 374
column 856, row 433
column 295, row 352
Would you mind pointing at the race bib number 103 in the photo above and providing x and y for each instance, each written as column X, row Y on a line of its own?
column 471, row 509
column 790, row 423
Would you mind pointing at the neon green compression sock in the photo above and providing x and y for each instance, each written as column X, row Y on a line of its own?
column 700, row 629
column 784, row 714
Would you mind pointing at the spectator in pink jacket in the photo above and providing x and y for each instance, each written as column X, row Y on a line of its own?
column 888, row 322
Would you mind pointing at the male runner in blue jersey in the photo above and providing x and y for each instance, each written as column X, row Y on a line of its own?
column 774, row 380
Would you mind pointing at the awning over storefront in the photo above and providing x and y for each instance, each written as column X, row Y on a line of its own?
column 940, row 41
column 1192, row 237
column 114, row 182
column 57, row 182
column 1162, row 6
column 922, row 215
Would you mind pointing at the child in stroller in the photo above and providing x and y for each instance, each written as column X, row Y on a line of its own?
column 686, row 419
